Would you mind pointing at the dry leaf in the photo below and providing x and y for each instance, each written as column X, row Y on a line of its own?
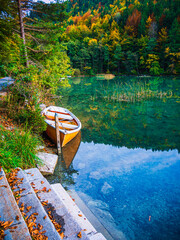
column 79, row 235
column 62, row 235
column 36, row 231
column 28, row 208
column 3, row 186
column 44, row 189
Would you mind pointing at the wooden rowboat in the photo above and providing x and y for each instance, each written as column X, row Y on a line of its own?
column 69, row 124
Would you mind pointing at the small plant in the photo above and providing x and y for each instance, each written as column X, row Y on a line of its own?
column 18, row 148
column 133, row 92
column 23, row 106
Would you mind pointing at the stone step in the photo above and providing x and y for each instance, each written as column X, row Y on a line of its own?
column 37, row 220
column 10, row 213
column 64, row 212
column 76, row 214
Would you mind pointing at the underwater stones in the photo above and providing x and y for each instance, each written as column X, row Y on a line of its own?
column 96, row 175
column 98, row 204
column 107, row 189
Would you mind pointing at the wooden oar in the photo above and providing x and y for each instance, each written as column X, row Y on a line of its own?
column 57, row 134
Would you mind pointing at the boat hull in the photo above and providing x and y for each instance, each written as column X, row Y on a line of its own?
column 69, row 124
column 64, row 138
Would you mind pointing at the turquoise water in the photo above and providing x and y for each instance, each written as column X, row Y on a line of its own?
column 128, row 164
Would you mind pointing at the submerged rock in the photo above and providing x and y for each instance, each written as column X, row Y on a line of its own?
column 106, row 188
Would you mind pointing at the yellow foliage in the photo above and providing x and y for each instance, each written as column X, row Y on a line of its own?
column 167, row 51
column 163, row 35
column 136, row 2
column 92, row 42
column 114, row 36
column 114, row 25
column 148, row 22
column 151, row 58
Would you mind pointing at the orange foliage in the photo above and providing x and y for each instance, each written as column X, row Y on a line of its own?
column 161, row 20
column 178, row 19
column 134, row 20
column 130, row 6
column 86, row 15
column 95, row 18
column 76, row 19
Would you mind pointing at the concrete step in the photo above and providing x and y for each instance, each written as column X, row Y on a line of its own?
column 10, row 214
column 62, row 209
column 37, row 220
column 76, row 214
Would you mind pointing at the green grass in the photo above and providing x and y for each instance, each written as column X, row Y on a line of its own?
column 133, row 92
column 18, row 148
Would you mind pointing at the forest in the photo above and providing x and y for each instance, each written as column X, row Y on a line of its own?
column 89, row 37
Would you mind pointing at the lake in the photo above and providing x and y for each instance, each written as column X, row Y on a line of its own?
column 127, row 167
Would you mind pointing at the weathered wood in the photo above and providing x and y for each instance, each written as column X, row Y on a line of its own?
column 57, row 134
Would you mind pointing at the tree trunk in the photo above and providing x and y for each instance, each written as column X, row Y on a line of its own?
column 22, row 32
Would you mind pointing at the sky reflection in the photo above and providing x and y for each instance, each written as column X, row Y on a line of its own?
column 124, row 187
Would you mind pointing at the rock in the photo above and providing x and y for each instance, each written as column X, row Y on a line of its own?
column 96, row 175
column 49, row 162
column 98, row 204
column 40, row 147
column 106, row 188
column 42, row 106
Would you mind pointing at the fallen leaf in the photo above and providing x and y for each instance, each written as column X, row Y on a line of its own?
column 62, row 235
column 36, row 231
column 28, row 208
column 79, row 235
column 44, row 189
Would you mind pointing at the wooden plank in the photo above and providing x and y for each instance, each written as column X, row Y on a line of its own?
column 57, row 134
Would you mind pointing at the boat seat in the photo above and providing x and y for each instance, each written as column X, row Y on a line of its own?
column 57, row 109
column 51, row 115
column 64, row 125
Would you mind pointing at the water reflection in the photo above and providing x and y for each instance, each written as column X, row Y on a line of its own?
column 124, row 187
column 64, row 170
column 150, row 124
column 127, row 166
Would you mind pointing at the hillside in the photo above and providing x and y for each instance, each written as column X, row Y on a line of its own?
column 131, row 37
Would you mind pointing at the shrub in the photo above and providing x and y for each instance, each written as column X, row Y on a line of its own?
column 18, row 148
column 23, row 106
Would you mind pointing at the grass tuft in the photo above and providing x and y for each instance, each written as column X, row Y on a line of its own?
column 18, row 148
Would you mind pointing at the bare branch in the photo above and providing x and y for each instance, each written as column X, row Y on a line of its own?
column 37, row 51
column 36, row 30
column 35, row 39
column 31, row 26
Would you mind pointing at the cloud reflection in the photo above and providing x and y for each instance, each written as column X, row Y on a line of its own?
column 107, row 159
